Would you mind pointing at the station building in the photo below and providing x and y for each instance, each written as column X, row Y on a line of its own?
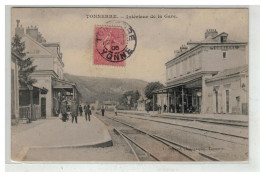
column 49, row 71
column 209, row 76
column 14, row 85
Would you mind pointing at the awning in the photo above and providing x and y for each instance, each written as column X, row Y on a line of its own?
column 189, row 81
column 63, row 84
column 42, row 89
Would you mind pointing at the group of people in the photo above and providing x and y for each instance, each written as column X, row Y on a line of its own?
column 159, row 108
column 103, row 110
column 73, row 110
column 65, row 110
column 87, row 112
column 190, row 109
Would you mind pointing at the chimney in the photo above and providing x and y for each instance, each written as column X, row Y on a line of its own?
column 32, row 32
column 43, row 40
column 19, row 30
column 211, row 33
column 39, row 37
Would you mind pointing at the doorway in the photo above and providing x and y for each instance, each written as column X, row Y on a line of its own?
column 43, row 107
column 216, row 92
column 227, row 101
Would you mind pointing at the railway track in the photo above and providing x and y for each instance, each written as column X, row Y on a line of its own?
column 191, row 127
column 142, row 140
column 206, row 120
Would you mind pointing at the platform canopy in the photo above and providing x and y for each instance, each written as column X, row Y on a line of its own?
column 65, row 85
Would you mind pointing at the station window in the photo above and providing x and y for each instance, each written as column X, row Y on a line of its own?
column 223, row 39
column 224, row 55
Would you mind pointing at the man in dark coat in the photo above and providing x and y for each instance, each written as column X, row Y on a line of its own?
column 87, row 113
column 164, row 108
column 103, row 110
column 74, row 111
column 64, row 109
column 80, row 110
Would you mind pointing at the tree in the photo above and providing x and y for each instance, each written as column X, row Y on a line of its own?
column 136, row 96
column 150, row 87
column 26, row 67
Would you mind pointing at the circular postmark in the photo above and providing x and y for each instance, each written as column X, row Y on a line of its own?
column 116, row 41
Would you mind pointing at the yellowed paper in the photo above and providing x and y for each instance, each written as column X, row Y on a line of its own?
column 129, row 84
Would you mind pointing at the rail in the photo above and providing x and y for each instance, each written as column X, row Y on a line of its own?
column 184, row 150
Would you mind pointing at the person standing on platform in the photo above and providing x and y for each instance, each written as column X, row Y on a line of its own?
column 103, row 110
column 115, row 110
column 64, row 109
column 80, row 110
column 164, row 108
column 87, row 113
column 159, row 109
column 73, row 111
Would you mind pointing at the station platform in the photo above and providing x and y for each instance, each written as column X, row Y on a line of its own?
column 53, row 133
column 219, row 117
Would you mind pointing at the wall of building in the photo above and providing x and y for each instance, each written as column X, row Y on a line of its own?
column 208, row 58
column 161, row 99
column 237, row 95
column 14, row 89
column 212, row 57
column 58, row 68
column 206, row 102
column 187, row 65
column 46, row 58
column 43, row 63
column 46, row 82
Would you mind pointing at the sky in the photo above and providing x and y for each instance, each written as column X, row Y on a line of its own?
column 157, row 38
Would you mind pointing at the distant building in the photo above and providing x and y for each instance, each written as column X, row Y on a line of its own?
column 193, row 76
column 49, row 70
column 108, row 105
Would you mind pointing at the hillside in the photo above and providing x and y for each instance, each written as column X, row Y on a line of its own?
column 102, row 89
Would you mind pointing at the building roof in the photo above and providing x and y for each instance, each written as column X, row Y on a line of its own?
column 43, row 89
column 44, row 46
column 37, row 43
column 64, row 84
column 227, row 73
column 213, row 41
column 208, row 41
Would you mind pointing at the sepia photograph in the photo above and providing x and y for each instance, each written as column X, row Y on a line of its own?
column 129, row 84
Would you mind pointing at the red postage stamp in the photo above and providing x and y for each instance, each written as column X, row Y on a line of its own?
column 110, row 44
column 114, row 43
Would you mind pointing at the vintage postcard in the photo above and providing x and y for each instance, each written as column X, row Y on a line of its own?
column 129, row 84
